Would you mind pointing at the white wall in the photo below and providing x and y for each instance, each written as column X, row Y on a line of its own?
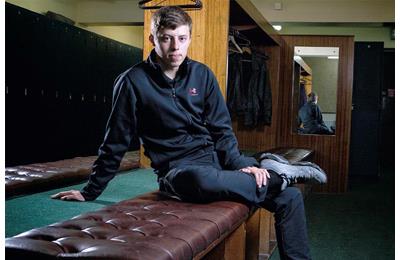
column 64, row 7
column 132, row 35
column 115, row 11
column 360, row 33
column 362, row 19
column 74, row 9
column 327, row 10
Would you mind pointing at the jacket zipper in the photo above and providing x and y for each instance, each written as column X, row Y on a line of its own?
column 176, row 101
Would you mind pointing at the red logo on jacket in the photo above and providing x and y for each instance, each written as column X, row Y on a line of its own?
column 193, row 92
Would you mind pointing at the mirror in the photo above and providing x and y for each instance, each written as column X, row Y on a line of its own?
column 315, row 79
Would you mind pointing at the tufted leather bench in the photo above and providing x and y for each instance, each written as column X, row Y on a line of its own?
column 148, row 227
column 38, row 177
column 153, row 227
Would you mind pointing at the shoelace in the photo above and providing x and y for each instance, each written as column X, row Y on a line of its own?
column 287, row 181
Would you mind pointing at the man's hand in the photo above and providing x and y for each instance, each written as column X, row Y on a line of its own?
column 69, row 195
column 261, row 175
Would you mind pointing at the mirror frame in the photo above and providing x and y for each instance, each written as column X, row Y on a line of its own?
column 320, row 52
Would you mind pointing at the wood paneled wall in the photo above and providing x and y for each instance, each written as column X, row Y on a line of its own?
column 331, row 152
column 209, row 40
column 263, row 137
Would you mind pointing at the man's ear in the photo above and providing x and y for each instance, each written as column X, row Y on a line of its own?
column 151, row 39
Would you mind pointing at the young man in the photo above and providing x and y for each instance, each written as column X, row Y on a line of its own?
column 175, row 106
column 310, row 116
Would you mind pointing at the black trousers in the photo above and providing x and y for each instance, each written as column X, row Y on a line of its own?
column 204, row 180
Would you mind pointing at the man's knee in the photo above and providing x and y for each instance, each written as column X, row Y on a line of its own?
column 204, row 178
column 199, row 183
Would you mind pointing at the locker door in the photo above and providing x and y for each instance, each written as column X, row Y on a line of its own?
column 365, row 125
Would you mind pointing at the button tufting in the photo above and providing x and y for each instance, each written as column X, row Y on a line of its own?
column 162, row 229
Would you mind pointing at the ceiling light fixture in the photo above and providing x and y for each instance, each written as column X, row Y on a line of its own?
column 277, row 27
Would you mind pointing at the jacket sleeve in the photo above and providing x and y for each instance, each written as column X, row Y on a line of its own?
column 319, row 116
column 120, row 128
column 299, row 122
column 220, row 127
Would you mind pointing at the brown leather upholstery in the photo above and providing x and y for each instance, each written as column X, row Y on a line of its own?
column 291, row 154
column 37, row 177
column 147, row 227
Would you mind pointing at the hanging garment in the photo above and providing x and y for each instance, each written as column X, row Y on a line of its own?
column 249, row 88
column 259, row 103
column 237, row 88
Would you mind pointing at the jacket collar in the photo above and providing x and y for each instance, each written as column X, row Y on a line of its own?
column 152, row 62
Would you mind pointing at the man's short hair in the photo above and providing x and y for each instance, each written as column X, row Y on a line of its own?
column 312, row 97
column 170, row 17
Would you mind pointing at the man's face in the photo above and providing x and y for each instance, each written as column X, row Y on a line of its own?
column 172, row 45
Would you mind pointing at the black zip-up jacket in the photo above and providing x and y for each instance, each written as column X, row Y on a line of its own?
column 311, row 116
column 174, row 119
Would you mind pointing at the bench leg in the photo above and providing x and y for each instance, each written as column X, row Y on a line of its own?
column 233, row 247
column 272, row 234
column 260, row 235
column 253, row 235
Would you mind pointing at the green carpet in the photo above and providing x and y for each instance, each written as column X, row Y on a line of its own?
column 358, row 224
column 27, row 212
